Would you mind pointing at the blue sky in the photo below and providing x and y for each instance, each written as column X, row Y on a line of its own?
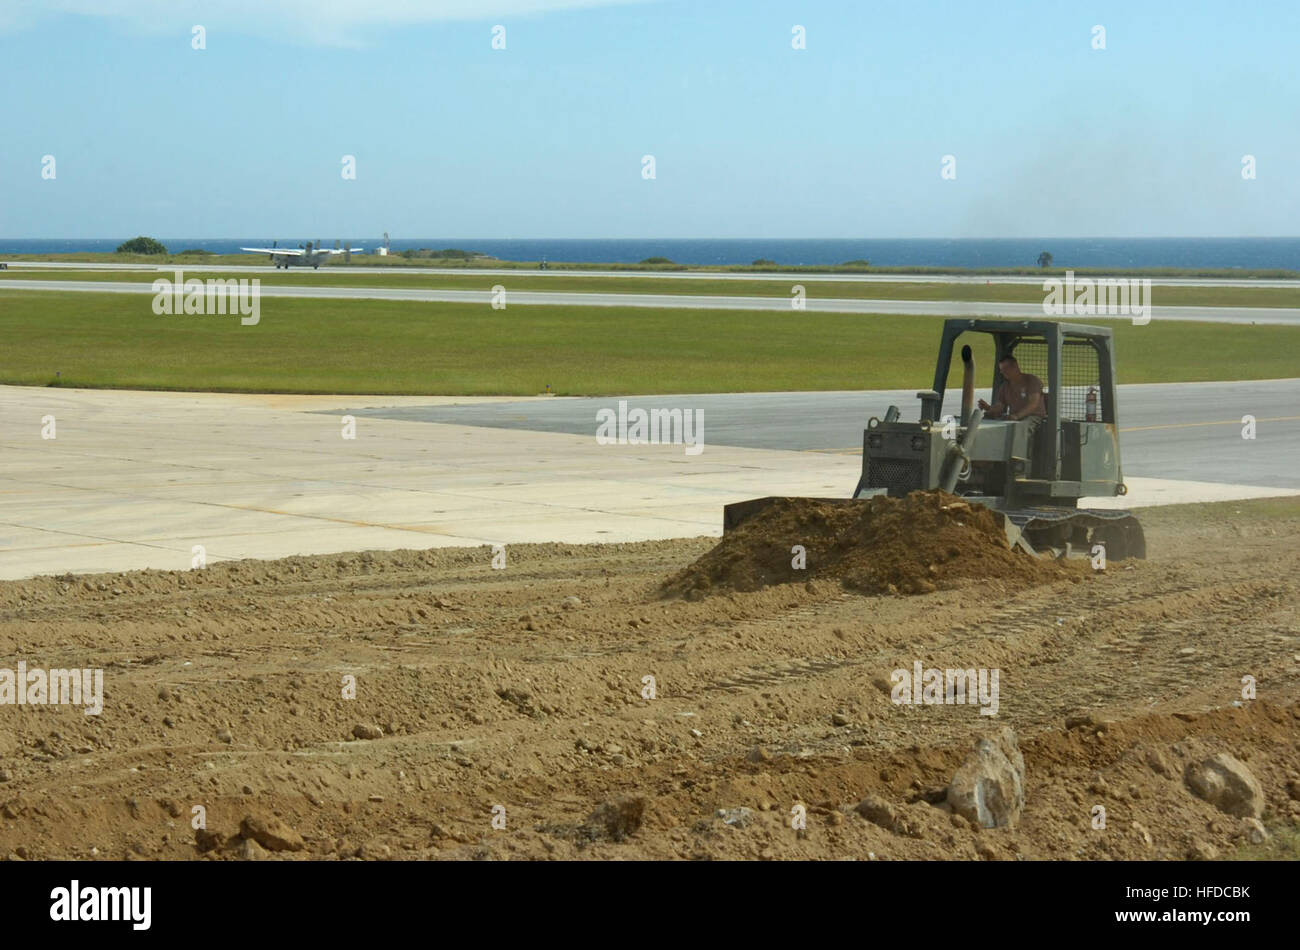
column 751, row 138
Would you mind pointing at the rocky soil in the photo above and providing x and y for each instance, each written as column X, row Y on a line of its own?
column 570, row 707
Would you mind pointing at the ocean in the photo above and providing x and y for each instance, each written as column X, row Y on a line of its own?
column 1246, row 253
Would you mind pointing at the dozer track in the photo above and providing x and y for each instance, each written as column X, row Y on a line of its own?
column 1077, row 530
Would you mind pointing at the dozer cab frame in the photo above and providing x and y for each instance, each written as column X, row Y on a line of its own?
column 1034, row 470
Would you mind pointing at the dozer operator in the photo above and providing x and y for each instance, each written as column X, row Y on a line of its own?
column 1020, row 393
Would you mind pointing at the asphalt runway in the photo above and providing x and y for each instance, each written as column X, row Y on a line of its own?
column 882, row 277
column 1186, row 431
column 812, row 303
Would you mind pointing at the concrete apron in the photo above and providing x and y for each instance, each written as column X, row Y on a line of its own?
column 135, row 480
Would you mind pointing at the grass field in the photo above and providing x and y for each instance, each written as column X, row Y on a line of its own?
column 349, row 346
column 577, row 283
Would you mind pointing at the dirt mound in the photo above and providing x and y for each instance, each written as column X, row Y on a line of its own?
column 911, row 545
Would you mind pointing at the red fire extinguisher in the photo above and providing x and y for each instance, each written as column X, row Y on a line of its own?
column 1091, row 405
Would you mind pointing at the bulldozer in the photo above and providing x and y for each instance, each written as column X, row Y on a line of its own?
column 1031, row 471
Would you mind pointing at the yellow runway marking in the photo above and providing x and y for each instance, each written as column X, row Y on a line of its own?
column 1225, row 422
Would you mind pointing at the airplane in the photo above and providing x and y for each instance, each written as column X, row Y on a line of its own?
column 301, row 256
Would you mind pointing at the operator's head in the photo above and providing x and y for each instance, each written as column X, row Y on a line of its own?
column 1010, row 367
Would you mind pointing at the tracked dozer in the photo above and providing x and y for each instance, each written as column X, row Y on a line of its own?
column 1032, row 471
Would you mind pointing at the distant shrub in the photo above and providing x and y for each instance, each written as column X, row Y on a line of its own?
column 763, row 262
column 658, row 260
column 195, row 250
column 857, row 263
column 1045, row 259
column 141, row 245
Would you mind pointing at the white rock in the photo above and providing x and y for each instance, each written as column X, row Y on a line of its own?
column 989, row 788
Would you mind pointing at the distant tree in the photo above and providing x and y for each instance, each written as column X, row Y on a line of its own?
column 1045, row 259
column 658, row 260
column 190, row 251
column 857, row 263
column 763, row 262
column 141, row 245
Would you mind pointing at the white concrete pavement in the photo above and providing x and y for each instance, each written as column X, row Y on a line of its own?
column 136, row 479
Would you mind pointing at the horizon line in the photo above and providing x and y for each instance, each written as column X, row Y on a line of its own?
column 1084, row 237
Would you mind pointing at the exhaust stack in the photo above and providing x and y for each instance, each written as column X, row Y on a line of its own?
column 967, row 385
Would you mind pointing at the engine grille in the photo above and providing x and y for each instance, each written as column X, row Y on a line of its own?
column 900, row 476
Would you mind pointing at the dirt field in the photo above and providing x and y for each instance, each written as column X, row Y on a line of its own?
column 522, row 688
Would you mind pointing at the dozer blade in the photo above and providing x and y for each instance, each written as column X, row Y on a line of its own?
column 1042, row 531
column 735, row 514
